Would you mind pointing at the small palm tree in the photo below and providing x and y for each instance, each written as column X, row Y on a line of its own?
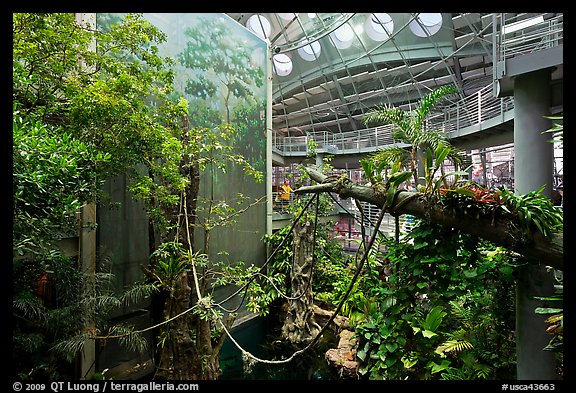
column 410, row 129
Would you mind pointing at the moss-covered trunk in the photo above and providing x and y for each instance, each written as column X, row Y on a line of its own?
column 177, row 346
column 300, row 326
column 187, row 349
column 538, row 249
column 206, row 365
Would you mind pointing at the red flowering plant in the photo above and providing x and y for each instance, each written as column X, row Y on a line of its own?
column 528, row 213
column 471, row 198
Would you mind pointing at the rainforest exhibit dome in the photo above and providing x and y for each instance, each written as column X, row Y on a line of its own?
column 296, row 196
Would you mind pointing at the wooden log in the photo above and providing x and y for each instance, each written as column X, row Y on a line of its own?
column 539, row 249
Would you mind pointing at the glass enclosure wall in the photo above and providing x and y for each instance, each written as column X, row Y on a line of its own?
column 220, row 68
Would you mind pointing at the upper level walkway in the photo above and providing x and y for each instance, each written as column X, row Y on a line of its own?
column 473, row 114
column 517, row 47
column 483, row 119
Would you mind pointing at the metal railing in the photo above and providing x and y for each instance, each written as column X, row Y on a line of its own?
column 535, row 37
column 470, row 111
column 346, row 142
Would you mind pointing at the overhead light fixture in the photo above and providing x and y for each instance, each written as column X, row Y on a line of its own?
column 287, row 16
column 524, row 24
column 310, row 52
column 379, row 26
column 282, row 64
column 259, row 25
column 342, row 36
column 426, row 24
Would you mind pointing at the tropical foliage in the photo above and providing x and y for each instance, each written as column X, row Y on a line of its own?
column 81, row 115
column 442, row 310
column 90, row 104
column 410, row 128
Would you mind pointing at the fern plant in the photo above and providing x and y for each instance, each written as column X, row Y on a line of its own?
column 439, row 314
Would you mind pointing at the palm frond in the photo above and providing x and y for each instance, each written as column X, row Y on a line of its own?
column 391, row 155
column 483, row 371
column 29, row 342
column 383, row 115
column 138, row 292
column 129, row 338
column 30, row 307
column 460, row 312
column 429, row 138
column 102, row 278
column 69, row 348
column 431, row 99
column 101, row 302
column 454, row 374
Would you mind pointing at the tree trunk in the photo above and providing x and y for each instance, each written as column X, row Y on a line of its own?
column 206, row 365
column 185, row 357
column 178, row 353
column 538, row 249
column 300, row 326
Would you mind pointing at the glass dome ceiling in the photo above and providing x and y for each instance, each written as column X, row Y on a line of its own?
column 329, row 69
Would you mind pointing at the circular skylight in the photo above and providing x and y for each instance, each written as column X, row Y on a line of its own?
column 259, row 25
column 288, row 16
column 310, row 52
column 282, row 64
column 379, row 26
column 426, row 24
column 342, row 36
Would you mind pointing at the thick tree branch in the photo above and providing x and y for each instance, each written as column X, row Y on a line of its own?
column 540, row 250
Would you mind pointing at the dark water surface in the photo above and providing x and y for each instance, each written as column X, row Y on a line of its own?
column 261, row 338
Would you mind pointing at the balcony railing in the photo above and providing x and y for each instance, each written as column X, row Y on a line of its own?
column 470, row 111
column 538, row 34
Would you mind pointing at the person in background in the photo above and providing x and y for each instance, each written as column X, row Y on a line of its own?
column 285, row 191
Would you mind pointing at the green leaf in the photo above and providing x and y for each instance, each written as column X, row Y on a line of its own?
column 434, row 318
column 391, row 347
column 390, row 361
column 381, row 166
column 435, row 368
column 420, row 245
column 428, row 334
column 409, row 362
column 470, row 273
column 456, row 173
column 368, row 168
column 555, row 298
column 441, row 153
column 390, row 194
column 428, row 160
column 548, row 310
column 398, row 178
column 464, row 191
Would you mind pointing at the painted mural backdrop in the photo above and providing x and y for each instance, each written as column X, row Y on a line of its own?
column 220, row 68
